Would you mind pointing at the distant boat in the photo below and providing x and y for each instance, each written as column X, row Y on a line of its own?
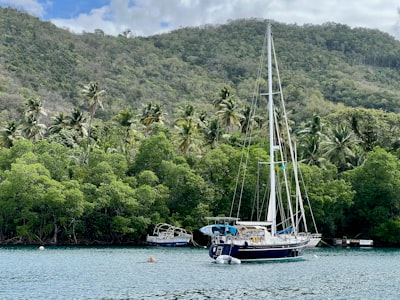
column 314, row 240
column 168, row 236
column 282, row 235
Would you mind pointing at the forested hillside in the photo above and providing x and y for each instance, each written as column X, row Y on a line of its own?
column 102, row 137
column 356, row 67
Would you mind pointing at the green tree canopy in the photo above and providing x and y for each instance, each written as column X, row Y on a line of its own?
column 377, row 198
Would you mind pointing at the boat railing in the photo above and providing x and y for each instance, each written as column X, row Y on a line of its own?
column 223, row 220
column 167, row 230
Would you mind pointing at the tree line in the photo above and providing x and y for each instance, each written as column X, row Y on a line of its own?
column 81, row 180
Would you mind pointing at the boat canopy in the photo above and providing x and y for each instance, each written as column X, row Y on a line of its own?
column 222, row 219
column 287, row 230
column 218, row 229
column 254, row 223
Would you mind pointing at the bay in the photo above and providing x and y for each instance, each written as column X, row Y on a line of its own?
column 188, row 273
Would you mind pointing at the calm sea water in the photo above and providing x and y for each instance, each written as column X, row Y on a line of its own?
column 188, row 273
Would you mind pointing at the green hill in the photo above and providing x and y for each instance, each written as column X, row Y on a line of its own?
column 319, row 64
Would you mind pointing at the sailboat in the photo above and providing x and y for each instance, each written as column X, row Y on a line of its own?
column 168, row 235
column 282, row 235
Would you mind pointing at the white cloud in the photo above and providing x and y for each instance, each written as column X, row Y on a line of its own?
column 147, row 17
column 31, row 6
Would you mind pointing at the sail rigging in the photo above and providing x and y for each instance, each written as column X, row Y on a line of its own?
column 278, row 235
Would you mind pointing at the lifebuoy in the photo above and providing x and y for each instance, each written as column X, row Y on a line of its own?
column 255, row 239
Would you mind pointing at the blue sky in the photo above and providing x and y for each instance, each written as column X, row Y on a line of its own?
column 55, row 9
column 66, row 9
column 149, row 17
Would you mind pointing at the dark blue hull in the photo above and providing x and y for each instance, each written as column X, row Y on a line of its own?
column 259, row 252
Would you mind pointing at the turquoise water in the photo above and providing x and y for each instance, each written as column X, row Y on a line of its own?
column 188, row 273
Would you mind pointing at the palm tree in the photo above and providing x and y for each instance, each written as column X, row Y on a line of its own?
column 146, row 112
column 311, row 138
column 340, row 146
column 69, row 130
column 32, row 129
column 129, row 145
column 367, row 133
column 59, row 123
column 224, row 94
column 9, row 134
column 187, row 137
column 186, row 113
column 314, row 127
column 229, row 114
column 76, row 122
column 125, row 119
column 357, row 159
column 249, row 120
column 311, row 151
column 211, row 133
column 152, row 113
column 187, row 124
column 158, row 114
column 34, row 108
column 93, row 96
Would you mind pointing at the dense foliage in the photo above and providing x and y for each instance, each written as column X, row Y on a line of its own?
column 99, row 141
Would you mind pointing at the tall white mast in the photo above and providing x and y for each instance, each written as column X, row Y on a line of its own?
column 272, row 200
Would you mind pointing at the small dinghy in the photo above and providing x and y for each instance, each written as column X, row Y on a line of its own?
column 227, row 259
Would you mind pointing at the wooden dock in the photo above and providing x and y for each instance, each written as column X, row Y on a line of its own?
column 344, row 242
